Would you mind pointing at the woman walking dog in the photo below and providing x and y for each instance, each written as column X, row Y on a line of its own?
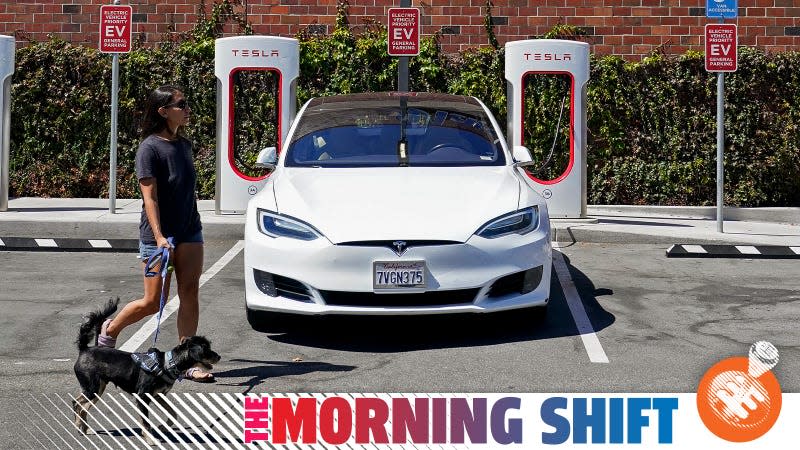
column 167, row 179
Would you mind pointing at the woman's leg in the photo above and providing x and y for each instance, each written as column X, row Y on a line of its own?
column 188, row 268
column 139, row 309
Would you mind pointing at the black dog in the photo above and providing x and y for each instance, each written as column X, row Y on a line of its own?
column 152, row 373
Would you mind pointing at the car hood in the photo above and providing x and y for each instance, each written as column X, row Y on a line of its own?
column 408, row 203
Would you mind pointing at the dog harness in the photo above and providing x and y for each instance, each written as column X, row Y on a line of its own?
column 149, row 362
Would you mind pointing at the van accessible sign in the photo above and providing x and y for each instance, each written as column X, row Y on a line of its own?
column 726, row 9
column 721, row 47
column 116, row 22
column 403, row 31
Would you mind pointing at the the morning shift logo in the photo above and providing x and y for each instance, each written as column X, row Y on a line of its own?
column 739, row 399
column 453, row 419
column 338, row 420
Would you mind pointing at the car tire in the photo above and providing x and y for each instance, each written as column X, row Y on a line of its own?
column 270, row 322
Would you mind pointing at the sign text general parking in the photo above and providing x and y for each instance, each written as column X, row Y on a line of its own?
column 116, row 22
column 403, row 31
column 721, row 47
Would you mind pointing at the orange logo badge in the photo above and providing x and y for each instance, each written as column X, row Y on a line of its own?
column 739, row 399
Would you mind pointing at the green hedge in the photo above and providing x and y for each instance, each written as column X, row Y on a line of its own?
column 651, row 138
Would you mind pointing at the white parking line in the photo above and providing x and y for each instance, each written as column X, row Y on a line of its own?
column 150, row 326
column 588, row 336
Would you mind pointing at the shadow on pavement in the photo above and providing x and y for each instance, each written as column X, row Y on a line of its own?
column 380, row 334
column 262, row 370
column 171, row 435
column 59, row 209
column 644, row 223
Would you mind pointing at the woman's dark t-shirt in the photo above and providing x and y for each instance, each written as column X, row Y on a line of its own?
column 171, row 164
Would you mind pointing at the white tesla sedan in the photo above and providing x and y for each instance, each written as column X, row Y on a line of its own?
column 395, row 203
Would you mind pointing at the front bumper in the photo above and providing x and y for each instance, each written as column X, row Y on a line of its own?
column 317, row 277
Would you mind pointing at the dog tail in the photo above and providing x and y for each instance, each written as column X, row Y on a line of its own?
column 92, row 322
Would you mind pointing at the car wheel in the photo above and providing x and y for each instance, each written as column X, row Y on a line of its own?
column 269, row 322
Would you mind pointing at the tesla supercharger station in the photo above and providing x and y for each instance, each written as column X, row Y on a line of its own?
column 232, row 56
column 565, row 194
column 6, row 70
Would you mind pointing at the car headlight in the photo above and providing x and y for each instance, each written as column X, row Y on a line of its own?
column 276, row 225
column 518, row 222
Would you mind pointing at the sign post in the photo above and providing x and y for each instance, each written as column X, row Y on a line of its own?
column 721, row 50
column 403, row 39
column 115, row 37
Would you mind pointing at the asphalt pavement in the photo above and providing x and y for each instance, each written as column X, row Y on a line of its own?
column 622, row 317
column 47, row 219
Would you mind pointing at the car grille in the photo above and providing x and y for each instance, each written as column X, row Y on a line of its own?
column 517, row 283
column 412, row 243
column 275, row 285
column 391, row 245
column 370, row 299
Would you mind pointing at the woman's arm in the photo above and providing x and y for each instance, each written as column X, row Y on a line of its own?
column 150, row 196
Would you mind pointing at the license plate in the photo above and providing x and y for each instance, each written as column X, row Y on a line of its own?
column 398, row 274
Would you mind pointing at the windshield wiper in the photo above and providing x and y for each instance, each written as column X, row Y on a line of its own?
column 402, row 144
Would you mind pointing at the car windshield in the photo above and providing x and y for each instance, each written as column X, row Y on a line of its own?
column 368, row 135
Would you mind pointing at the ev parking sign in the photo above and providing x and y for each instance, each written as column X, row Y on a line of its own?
column 722, row 9
column 721, row 47
column 403, row 32
column 116, row 22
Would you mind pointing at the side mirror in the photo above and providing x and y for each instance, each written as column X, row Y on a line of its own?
column 522, row 156
column 267, row 158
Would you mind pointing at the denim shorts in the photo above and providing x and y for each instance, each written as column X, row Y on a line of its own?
column 147, row 249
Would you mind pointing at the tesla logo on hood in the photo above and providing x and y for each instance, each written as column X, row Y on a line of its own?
column 399, row 247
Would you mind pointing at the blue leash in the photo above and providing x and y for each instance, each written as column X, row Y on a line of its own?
column 161, row 256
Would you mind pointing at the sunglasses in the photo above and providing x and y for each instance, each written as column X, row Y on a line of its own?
column 180, row 104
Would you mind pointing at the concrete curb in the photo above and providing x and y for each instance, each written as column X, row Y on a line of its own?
column 69, row 244
column 105, row 230
column 734, row 251
column 625, row 224
column 786, row 215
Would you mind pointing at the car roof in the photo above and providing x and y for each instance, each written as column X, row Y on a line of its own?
column 391, row 98
column 343, row 110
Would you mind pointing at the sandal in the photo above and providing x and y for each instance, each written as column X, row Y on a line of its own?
column 103, row 339
column 199, row 375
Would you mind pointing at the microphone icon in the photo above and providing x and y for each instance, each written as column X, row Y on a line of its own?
column 739, row 398
column 763, row 356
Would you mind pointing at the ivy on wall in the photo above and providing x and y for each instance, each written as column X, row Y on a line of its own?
column 651, row 124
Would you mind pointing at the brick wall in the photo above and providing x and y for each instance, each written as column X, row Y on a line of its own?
column 630, row 28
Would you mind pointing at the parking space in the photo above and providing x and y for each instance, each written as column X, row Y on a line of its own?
column 674, row 318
